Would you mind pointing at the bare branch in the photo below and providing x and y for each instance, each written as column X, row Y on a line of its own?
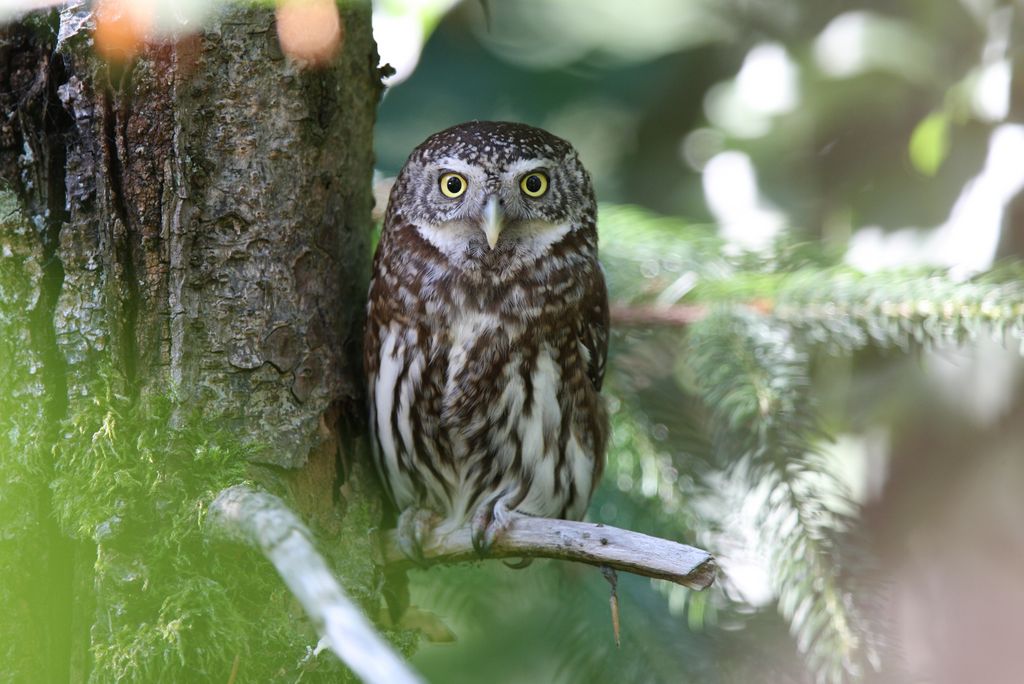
column 263, row 520
column 596, row 544
column 646, row 316
column 676, row 315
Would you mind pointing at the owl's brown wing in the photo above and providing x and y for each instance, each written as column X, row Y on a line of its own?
column 594, row 333
column 405, row 368
column 377, row 314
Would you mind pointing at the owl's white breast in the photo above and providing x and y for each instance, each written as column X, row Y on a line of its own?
column 383, row 388
column 538, row 427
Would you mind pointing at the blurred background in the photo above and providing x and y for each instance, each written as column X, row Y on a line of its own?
column 871, row 525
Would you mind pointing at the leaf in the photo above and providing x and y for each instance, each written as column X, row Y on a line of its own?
column 929, row 143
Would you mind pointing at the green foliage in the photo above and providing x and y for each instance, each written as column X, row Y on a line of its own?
column 736, row 415
column 661, row 260
column 492, row 609
column 176, row 606
column 121, row 488
column 645, row 254
column 23, row 466
column 929, row 144
column 761, row 415
column 847, row 310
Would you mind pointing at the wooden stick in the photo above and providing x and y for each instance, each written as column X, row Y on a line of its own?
column 263, row 520
column 595, row 544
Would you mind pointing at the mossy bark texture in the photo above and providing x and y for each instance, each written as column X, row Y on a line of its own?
column 197, row 222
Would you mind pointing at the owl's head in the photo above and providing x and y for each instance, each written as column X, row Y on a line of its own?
column 499, row 186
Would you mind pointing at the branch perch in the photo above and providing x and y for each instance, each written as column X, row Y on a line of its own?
column 263, row 520
column 595, row 544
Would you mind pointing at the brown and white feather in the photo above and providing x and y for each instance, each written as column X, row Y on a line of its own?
column 484, row 365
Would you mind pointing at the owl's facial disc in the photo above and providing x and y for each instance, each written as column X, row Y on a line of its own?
column 493, row 219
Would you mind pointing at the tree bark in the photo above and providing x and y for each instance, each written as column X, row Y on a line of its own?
column 201, row 219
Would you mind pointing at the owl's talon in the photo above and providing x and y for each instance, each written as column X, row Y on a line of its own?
column 414, row 528
column 489, row 521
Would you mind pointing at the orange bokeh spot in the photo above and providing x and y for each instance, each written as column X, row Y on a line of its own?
column 310, row 30
column 121, row 28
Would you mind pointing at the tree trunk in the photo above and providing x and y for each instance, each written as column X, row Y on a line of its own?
column 192, row 225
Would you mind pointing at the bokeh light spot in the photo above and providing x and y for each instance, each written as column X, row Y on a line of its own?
column 309, row 30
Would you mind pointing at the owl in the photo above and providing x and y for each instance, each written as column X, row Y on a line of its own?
column 487, row 334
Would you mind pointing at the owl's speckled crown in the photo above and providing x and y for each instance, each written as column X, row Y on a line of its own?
column 496, row 141
column 493, row 157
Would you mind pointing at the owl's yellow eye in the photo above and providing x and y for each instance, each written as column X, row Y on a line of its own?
column 453, row 185
column 534, row 184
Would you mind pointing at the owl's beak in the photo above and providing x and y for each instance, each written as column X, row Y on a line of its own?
column 492, row 223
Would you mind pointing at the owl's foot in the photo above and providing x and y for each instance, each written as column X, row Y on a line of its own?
column 414, row 528
column 490, row 519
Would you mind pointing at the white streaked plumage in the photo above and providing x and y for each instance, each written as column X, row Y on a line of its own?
column 485, row 356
